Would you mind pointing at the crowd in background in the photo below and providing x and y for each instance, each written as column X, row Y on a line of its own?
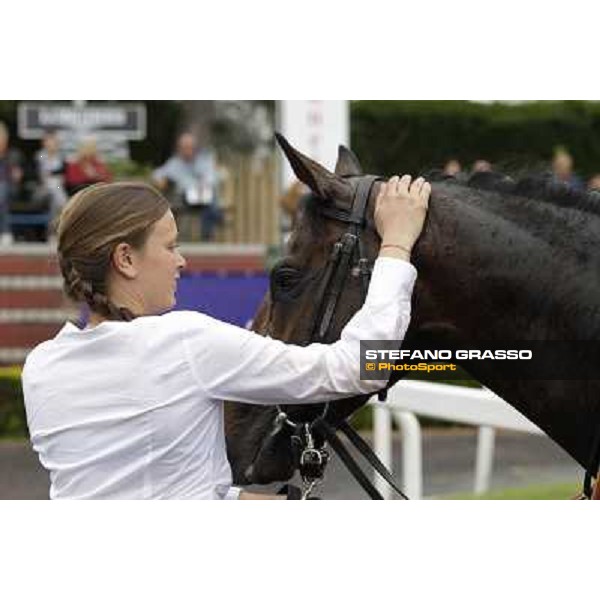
column 562, row 171
column 190, row 179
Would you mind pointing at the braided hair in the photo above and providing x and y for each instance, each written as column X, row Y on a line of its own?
column 92, row 224
column 79, row 288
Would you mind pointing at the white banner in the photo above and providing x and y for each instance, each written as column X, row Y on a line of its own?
column 125, row 121
column 316, row 128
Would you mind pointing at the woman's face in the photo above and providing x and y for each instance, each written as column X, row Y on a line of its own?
column 159, row 263
column 50, row 143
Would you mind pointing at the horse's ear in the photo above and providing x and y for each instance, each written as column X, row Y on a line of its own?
column 322, row 182
column 347, row 163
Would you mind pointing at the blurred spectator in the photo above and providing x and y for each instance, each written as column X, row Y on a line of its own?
column 51, row 167
column 481, row 166
column 86, row 169
column 452, row 168
column 192, row 172
column 594, row 183
column 290, row 200
column 11, row 175
column 562, row 170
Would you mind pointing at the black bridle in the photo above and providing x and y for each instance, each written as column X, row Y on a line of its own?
column 349, row 246
column 309, row 438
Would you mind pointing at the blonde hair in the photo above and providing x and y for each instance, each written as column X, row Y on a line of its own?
column 93, row 222
column 87, row 147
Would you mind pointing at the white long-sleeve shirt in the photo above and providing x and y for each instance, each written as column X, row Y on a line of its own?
column 134, row 409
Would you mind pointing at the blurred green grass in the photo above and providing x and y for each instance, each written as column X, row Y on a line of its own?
column 553, row 491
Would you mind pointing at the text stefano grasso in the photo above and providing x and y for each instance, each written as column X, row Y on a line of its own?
column 378, row 354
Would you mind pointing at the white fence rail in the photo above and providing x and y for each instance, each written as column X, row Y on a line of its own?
column 478, row 407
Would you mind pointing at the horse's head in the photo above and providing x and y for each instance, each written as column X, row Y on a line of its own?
column 299, row 279
column 487, row 264
column 295, row 306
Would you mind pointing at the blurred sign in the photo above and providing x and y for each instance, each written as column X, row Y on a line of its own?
column 316, row 128
column 112, row 125
column 126, row 120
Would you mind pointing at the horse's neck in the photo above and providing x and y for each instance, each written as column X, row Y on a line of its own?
column 491, row 277
column 486, row 277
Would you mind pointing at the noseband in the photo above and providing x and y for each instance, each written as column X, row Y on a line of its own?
column 308, row 438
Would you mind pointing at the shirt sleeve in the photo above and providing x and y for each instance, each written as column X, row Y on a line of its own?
column 231, row 363
column 233, row 493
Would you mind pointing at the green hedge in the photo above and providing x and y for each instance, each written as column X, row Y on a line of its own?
column 12, row 411
column 411, row 136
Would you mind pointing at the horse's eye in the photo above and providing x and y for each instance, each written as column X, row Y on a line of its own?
column 286, row 278
column 285, row 284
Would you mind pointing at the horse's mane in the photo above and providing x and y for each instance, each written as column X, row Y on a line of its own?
column 539, row 186
column 528, row 186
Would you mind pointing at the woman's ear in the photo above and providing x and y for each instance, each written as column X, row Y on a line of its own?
column 124, row 261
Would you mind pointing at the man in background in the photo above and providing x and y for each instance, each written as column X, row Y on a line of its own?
column 192, row 172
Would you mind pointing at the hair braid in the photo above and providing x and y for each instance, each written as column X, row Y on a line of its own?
column 82, row 290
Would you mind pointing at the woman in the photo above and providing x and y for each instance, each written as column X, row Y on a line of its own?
column 87, row 169
column 131, row 406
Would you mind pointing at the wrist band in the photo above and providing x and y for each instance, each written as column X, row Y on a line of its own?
column 395, row 246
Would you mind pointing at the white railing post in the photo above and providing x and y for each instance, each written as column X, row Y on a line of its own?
column 484, row 459
column 475, row 407
column 382, row 444
column 412, row 460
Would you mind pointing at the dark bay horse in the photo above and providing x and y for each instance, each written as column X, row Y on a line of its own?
column 498, row 260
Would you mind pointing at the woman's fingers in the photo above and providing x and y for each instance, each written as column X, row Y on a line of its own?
column 404, row 183
column 419, row 189
column 416, row 186
column 383, row 188
column 425, row 193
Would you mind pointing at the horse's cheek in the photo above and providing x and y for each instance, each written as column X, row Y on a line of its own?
column 278, row 464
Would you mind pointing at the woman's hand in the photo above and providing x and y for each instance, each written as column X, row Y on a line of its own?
column 400, row 213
